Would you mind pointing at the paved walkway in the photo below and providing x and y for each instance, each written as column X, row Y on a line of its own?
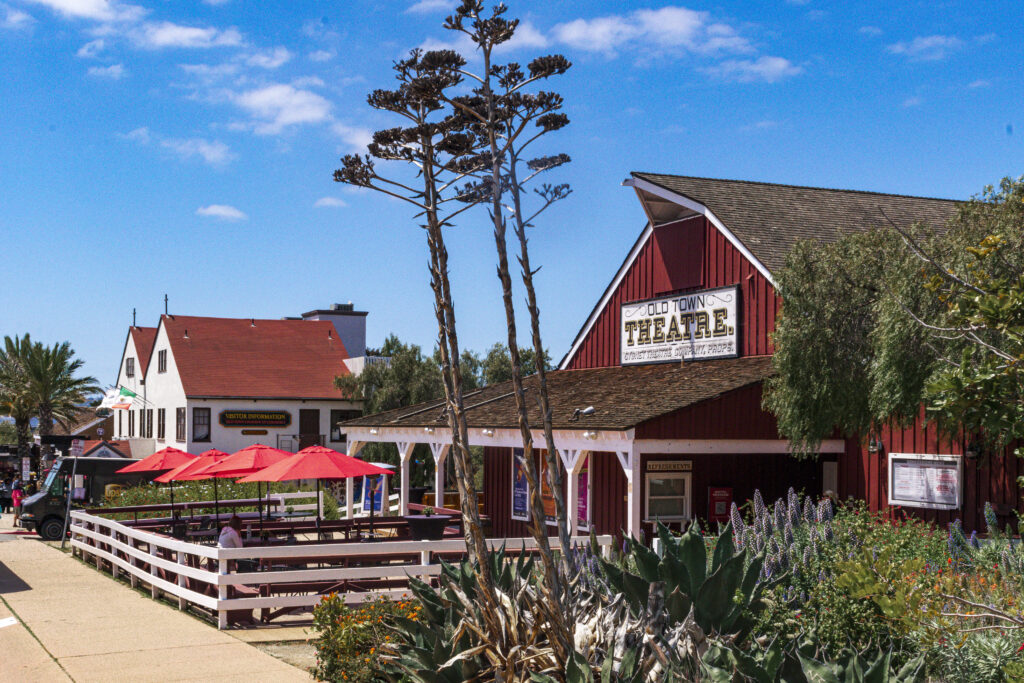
column 75, row 624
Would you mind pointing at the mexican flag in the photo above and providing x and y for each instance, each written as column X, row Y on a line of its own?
column 118, row 398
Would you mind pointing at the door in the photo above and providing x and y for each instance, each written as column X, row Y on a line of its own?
column 309, row 427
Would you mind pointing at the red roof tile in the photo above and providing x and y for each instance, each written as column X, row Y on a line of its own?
column 256, row 358
column 143, row 337
column 122, row 447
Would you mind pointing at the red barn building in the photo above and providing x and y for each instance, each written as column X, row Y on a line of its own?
column 657, row 405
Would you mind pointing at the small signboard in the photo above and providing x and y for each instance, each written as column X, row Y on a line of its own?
column 583, row 497
column 925, row 480
column 255, row 418
column 373, row 485
column 77, row 445
column 669, row 465
column 520, row 488
column 719, row 503
column 26, row 469
column 693, row 326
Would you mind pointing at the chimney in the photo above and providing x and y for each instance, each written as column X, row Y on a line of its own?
column 349, row 323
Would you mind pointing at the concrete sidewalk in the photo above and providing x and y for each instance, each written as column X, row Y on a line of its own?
column 76, row 624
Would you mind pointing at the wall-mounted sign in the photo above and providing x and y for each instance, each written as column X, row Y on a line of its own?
column 694, row 326
column 520, row 488
column 669, row 465
column 925, row 480
column 254, row 432
column 583, row 497
column 255, row 418
column 547, row 498
column 719, row 503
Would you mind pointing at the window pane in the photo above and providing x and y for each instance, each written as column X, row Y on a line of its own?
column 666, row 507
column 666, row 486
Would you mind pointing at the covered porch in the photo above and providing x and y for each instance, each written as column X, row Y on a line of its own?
column 657, row 440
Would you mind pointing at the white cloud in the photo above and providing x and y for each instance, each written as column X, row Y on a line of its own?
column 216, row 2
column 330, row 203
column 980, row 83
column 269, row 59
column 527, row 35
column 167, row 34
column 114, row 71
column 91, row 49
column 308, row 82
column 869, row 31
column 209, row 74
column 221, row 211
column 765, row 124
column 765, row 69
column 427, row 6
column 278, row 106
column 353, row 136
column 914, row 101
column 671, row 28
column 139, row 135
column 213, row 152
column 99, row 10
column 14, row 18
column 321, row 56
column 927, row 48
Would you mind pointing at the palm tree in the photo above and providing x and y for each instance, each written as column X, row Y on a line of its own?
column 15, row 399
column 55, row 389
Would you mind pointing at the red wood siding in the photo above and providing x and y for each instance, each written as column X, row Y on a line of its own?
column 608, row 494
column 863, row 474
column 668, row 260
column 733, row 415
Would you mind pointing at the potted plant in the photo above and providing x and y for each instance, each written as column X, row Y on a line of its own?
column 427, row 526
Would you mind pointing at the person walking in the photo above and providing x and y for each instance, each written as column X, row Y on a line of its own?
column 5, row 495
column 16, row 495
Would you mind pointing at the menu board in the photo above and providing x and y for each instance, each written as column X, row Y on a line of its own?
column 925, row 480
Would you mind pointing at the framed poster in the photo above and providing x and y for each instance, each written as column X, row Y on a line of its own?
column 583, row 497
column 373, row 485
column 547, row 498
column 693, row 326
column 520, row 488
column 924, row 480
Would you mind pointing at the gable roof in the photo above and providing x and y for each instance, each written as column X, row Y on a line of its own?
column 245, row 358
column 143, row 338
column 123, row 447
column 85, row 420
column 769, row 219
column 623, row 397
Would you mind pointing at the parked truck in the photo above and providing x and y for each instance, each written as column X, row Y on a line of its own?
column 44, row 511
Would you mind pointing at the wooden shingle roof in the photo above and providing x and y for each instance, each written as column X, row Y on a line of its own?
column 622, row 397
column 769, row 219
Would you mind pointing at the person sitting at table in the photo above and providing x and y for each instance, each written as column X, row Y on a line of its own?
column 230, row 534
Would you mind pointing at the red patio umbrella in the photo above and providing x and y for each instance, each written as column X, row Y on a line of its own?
column 164, row 459
column 193, row 470
column 247, row 461
column 316, row 462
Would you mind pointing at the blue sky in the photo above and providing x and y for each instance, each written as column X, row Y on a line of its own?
column 187, row 147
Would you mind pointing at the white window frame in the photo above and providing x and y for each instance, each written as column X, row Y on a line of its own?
column 687, row 476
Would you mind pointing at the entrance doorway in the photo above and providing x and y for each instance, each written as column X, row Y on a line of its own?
column 309, row 427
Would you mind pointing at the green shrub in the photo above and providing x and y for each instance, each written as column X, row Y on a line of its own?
column 350, row 640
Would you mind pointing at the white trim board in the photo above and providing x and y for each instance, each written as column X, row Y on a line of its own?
column 710, row 446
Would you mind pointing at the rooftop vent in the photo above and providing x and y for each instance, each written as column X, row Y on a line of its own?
column 343, row 307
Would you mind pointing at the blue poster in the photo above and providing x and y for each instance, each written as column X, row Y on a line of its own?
column 376, row 485
column 520, row 488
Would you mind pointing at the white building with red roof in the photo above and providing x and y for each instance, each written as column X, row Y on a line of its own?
column 228, row 383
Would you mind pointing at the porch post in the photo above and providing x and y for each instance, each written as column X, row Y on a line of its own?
column 440, row 453
column 572, row 460
column 353, row 450
column 630, row 461
column 405, row 449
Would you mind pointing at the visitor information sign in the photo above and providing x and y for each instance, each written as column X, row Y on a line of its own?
column 925, row 480
column 520, row 488
column 694, row 326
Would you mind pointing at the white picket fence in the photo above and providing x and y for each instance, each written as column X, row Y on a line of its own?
column 204, row 575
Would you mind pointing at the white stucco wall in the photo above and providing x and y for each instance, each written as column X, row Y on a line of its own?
column 132, row 383
column 164, row 390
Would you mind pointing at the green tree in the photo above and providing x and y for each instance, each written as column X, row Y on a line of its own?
column 16, row 400
column 55, row 387
column 877, row 324
column 8, row 432
column 496, row 366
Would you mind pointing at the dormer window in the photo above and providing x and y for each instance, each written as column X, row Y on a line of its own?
column 129, row 367
column 161, row 361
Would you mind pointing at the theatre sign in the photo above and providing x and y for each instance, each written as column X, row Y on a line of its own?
column 694, row 326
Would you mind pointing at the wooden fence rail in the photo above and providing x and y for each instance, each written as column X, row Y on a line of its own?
column 291, row 577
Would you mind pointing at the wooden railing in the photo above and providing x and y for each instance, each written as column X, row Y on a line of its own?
column 279, row 579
